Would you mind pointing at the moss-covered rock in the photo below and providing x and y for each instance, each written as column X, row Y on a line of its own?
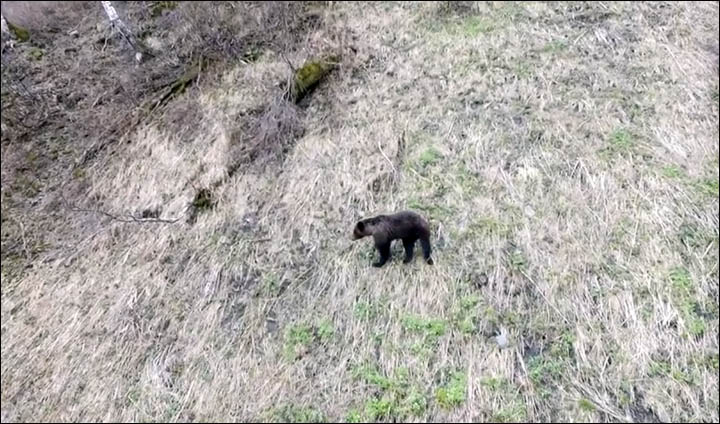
column 310, row 74
column 19, row 32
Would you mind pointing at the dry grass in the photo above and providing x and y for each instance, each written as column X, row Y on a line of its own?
column 567, row 151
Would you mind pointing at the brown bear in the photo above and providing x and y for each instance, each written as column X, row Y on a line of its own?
column 405, row 225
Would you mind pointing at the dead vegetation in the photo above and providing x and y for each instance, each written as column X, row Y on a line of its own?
column 566, row 155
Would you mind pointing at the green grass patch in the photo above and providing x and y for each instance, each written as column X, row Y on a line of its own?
column 586, row 406
column 554, row 46
column 468, row 182
column 324, row 330
column 494, row 383
column 452, row 394
column 522, row 70
column 621, row 140
column 371, row 375
column 291, row 413
column 354, row 416
column 301, row 337
column 396, row 397
column 563, row 347
column 659, row 368
column 672, row 171
column 430, row 328
column 489, row 226
column 517, row 261
column 431, row 207
column 684, row 298
column 663, row 368
column 465, row 314
column 545, row 370
column 430, row 156
column 516, row 412
column 512, row 407
column 709, row 187
column 366, row 310
column 476, row 25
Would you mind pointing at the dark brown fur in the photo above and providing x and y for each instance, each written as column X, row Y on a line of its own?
column 406, row 225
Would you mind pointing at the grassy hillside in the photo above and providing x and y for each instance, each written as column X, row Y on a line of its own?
column 565, row 154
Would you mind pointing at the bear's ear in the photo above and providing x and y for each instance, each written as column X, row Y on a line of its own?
column 360, row 226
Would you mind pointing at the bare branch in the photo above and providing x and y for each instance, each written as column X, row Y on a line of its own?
column 121, row 218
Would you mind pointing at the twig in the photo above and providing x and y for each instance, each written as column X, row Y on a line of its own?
column 527, row 376
column 599, row 404
column 22, row 237
column 128, row 217
column 386, row 158
column 544, row 297
column 400, row 154
column 292, row 68
column 122, row 218
column 582, row 34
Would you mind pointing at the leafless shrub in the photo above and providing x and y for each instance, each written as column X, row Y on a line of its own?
column 271, row 134
column 225, row 30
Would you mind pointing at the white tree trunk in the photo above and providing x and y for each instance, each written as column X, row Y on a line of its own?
column 124, row 30
column 3, row 25
column 5, row 28
column 111, row 12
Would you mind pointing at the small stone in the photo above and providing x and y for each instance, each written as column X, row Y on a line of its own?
column 501, row 339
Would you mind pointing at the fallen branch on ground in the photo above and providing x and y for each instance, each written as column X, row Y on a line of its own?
column 121, row 218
